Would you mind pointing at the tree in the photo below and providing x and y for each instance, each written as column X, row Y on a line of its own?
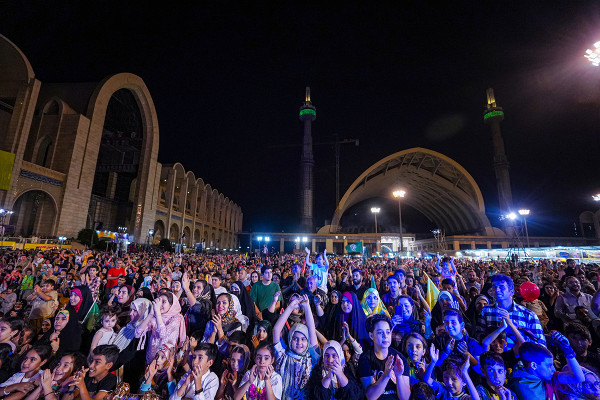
column 86, row 236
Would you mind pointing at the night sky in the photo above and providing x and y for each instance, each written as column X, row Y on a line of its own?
column 227, row 79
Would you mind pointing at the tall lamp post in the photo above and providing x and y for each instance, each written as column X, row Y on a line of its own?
column 524, row 213
column 399, row 194
column 593, row 55
column 375, row 211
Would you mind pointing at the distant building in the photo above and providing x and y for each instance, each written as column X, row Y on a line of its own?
column 76, row 155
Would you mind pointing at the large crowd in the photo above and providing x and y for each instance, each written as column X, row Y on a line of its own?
column 79, row 324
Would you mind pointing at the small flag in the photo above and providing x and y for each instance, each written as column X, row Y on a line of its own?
column 89, row 322
column 432, row 292
column 355, row 247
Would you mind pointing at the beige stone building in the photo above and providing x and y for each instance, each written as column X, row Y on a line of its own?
column 85, row 155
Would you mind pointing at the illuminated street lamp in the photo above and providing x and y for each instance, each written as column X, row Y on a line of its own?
column 593, row 55
column 596, row 197
column 375, row 211
column 524, row 213
column 399, row 194
column 61, row 240
column 512, row 216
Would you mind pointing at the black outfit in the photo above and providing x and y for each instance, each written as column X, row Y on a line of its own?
column 352, row 391
column 356, row 320
column 107, row 384
column 133, row 362
column 246, row 303
column 369, row 366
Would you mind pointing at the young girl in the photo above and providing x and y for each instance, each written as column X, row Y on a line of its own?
column 414, row 349
column 106, row 334
column 236, row 367
column 30, row 369
column 9, row 331
column 56, row 381
column 159, row 373
column 263, row 332
column 296, row 360
column 261, row 382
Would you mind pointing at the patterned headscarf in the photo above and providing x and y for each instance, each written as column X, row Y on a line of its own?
column 229, row 316
column 294, row 368
column 379, row 309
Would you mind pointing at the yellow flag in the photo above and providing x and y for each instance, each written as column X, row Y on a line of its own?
column 432, row 292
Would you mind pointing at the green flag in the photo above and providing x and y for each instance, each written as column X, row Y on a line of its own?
column 91, row 318
column 355, row 248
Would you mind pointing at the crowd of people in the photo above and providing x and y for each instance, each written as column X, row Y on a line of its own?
column 74, row 324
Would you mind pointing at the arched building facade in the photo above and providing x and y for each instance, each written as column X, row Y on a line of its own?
column 191, row 212
column 85, row 154
column 437, row 186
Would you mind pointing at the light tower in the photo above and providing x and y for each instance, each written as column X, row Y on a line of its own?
column 308, row 113
column 492, row 116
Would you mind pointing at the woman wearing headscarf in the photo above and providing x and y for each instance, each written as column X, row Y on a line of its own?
column 474, row 310
column 201, row 299
column 144, row 293
column 372, row 304
column 132, row 343
column 446, row 301
column 80, row 302
column 332, row 378
column 246, row 303
column 224, row 320
column 165, row 323
column 65, row 336
column 126, row 294
column 349, row 311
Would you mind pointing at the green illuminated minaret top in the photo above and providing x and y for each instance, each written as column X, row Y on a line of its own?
column 308, row 111
column 492, row 112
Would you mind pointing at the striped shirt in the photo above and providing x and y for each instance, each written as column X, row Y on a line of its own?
column 523, row 319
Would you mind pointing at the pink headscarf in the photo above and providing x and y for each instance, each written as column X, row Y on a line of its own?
column 173, row 311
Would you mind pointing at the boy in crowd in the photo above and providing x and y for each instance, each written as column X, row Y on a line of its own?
column 535, row 377
column 99, row 382
column 494, row 373
column 455, row 343
column 44, row 302
column 383, row 371
column 455, row 377
column 199, row 383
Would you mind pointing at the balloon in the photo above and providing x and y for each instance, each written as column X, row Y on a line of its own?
column 529, row 291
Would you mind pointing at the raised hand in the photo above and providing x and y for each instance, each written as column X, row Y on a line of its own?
column 255, row 341
column 269, row 372
column 434, row 354
column 337, row 368
column 253, row 373
column 389, row 367
column 465, row 367
column 450, row 346
column 276, row 295
column 462, row 347
column 307, row 251
column 151, row 370
column 398, row 366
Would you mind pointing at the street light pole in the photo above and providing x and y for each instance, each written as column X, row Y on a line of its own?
column 375, row 211
column 524, row 213
column 399, row 194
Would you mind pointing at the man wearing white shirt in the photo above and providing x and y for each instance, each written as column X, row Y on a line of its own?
column 200, row 383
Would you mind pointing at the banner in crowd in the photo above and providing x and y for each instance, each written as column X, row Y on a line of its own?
column 355, row 247
column 432, row 292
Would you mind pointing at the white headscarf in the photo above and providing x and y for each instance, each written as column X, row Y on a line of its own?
column 127, row 333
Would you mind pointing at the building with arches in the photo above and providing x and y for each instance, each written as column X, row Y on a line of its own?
column 85, row 155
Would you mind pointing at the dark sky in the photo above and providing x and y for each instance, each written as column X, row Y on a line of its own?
column 227, row 79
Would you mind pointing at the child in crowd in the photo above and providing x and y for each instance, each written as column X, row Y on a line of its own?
column 99, row 382
column 23, row 381
column 494, row 373
column 414, row 349
column 455, row 343
column 199, row 382
column 261, row 381
column 296, row 360
column 383, row 371
column 235, row 368
column 455, row 377
column 106, row 334
column 55, row 381
column 159, row 374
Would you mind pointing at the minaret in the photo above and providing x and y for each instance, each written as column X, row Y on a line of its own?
column 492, row 116
column 308, row 113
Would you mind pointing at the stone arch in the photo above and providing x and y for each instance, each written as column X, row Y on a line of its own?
column 188, row 236
column 208, row 203
column 143, row 210
column 35, row 213
column 200, row 199
column 436, row 185
column 178, row 197
column 174, row 235
column 159, row 230
column 197, row 237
